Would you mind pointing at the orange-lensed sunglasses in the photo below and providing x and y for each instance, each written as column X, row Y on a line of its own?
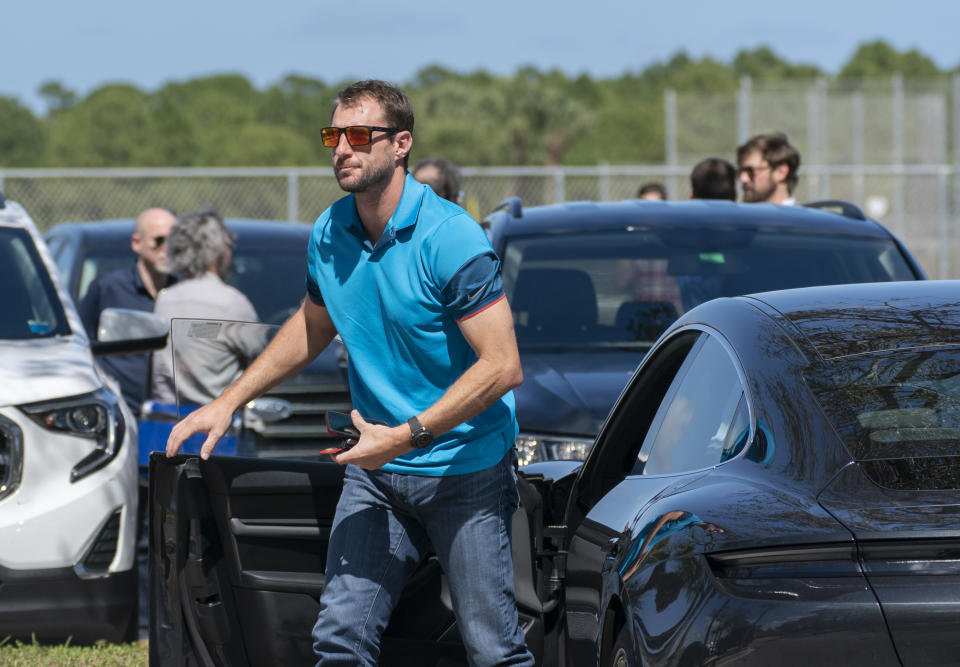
column 357, row 135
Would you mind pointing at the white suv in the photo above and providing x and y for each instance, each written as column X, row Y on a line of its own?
column 68, row 459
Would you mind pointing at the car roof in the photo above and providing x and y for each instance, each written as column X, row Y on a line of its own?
column 107, row 230
column 841, row 320
column 694, row 214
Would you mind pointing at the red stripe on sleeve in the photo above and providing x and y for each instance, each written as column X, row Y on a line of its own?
column 467, row 317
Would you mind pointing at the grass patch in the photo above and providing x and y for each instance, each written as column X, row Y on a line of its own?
column 101, row 654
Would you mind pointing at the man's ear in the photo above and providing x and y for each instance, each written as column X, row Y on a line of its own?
column 402, row 144
column 780, row 173
column 135, row 243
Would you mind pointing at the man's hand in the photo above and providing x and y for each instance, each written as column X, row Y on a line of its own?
column 213, row 419
column 377, row 444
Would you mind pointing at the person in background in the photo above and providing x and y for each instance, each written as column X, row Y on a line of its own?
column 411, row 284
column 134, row 287
column 713, row 178
column 200, row 252
column 441, row 175
column 652, row 191
column 767, row 166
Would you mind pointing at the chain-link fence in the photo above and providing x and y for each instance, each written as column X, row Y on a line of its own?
column 888, row 146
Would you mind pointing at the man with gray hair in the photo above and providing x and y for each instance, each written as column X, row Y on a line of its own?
column 200, row 251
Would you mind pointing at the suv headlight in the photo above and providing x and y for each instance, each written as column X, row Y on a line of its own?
column 96, row 416
column 532, row 447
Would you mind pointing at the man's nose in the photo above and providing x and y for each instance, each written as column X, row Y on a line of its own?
column 744, row 177
column 343, row 146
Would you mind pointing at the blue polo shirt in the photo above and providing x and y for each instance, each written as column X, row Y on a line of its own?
column 396, row 307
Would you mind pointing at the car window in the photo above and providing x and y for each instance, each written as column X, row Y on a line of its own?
column 703, row 419
column 31, row 308
column 898, row 413
column 273, row 278
column 624, row 288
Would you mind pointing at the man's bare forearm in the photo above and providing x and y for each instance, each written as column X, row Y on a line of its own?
column 476, row 390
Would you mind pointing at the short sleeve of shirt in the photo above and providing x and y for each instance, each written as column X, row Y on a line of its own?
column 464, row 266
column 476, row 286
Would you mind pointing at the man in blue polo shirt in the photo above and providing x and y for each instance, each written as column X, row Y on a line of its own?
column 412, row 286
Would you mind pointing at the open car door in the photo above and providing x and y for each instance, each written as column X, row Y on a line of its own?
column 238, row 547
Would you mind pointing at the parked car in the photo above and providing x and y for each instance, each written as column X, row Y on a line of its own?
column 778, row 484
column 593, row 285
column 68, row 457
column 269, row 266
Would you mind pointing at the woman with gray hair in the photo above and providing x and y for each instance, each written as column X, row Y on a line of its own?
column 209, row 353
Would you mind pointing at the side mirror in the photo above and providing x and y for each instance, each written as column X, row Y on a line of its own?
column 125, row 331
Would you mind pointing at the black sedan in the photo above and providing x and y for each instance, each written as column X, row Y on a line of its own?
column 778, row 484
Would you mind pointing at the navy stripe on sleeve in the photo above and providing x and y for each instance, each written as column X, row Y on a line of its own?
column 476, row 285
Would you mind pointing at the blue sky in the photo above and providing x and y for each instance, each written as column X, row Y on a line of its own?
column 87, row 44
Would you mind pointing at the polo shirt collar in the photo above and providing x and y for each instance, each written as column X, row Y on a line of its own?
column 406, row 214
column 136, row 278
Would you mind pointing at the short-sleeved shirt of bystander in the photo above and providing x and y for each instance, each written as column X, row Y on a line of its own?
column 396, row 306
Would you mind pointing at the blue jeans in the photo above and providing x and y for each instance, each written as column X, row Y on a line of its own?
column 384, row 525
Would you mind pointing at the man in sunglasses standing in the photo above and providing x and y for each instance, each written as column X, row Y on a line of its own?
column 411, row 284
column 135, row 287
column 767, row 167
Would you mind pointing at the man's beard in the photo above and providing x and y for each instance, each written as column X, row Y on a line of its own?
column 754, row 196
column 368, row 178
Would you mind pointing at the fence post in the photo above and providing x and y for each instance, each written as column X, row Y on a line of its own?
column 956, row 146
column 816, row 138
column 559, row 185
column 293, row 195
column 897, row 123
column 858, row 158
column 743, row 109
column 603, row 181
column 943, row 187
column 670, row 135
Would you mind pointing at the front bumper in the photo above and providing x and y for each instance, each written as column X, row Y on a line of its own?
column 54, row 604
column 50, row 522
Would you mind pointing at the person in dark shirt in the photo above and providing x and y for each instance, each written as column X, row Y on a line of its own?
column 133, row 287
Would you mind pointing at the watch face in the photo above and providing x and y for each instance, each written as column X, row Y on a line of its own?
column 423, row 438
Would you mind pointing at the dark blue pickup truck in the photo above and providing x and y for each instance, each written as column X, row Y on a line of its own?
column 593, row 285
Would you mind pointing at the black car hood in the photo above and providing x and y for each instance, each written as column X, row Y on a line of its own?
column 571, row 392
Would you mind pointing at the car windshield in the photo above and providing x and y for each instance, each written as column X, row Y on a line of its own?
column 902, row 405
column 624, row 288
column 31, row 308
column 272, row 275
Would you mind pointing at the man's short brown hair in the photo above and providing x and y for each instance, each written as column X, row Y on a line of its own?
column 394, row 102
column 776, row 150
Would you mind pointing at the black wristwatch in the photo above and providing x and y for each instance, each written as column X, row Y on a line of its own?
column 420, row 434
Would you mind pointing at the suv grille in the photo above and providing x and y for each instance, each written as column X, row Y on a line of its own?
column 11, row 456
column 304, row 431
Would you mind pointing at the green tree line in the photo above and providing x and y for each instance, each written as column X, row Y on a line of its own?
column 531, row 117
